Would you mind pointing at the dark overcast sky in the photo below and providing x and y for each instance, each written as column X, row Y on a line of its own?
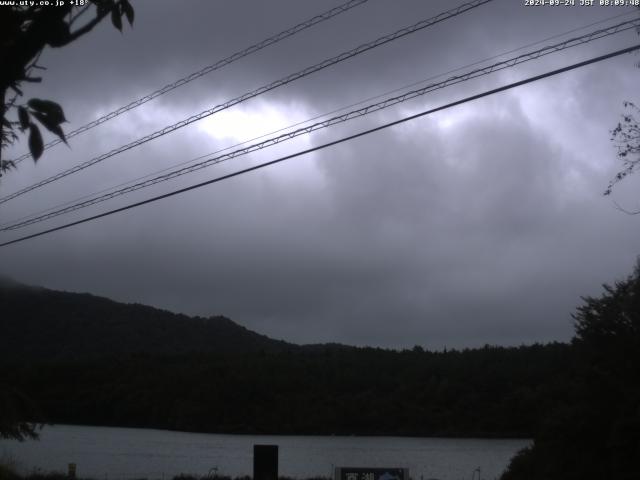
column 484, row 223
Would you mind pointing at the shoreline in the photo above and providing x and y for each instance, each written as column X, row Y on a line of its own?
column 453, row 436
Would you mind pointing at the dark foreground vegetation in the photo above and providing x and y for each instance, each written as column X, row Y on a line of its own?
column 579, row 401
column 8, row 473
column 593, row 432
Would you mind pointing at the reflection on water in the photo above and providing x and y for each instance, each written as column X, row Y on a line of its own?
column 126, row 453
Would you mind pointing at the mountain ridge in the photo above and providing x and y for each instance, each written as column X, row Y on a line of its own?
column 40, row 323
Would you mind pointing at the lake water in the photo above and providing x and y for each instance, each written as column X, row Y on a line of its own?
column 127, row 453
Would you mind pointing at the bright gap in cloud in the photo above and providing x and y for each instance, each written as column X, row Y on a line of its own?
column 246, row 122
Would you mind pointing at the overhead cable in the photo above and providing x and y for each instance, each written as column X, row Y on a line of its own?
column 278, row 83
column 315, row 117
column 598, row 34
column 208, row 69
column 329, row 144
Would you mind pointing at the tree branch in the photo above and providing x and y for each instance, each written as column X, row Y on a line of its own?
column 82, row 11
column 87, row 27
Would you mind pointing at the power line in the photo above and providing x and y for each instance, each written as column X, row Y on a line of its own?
column 598, row 34
column 283, row 81
column 208, row 69
column 41, row 213
column 316, row 117
column 330, row 122
column 329, row 144
column 162, row 90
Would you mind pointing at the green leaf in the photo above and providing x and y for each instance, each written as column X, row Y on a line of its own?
column 49, row 108
column 23, row 116
column 50, row 125
column 115, row 18
column 128, row 11
column 36, row 147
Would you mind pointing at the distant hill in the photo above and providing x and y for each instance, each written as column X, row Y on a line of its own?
column 42, row 324
column 88, row 360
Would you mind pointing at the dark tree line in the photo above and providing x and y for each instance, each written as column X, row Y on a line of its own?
column 488, row 392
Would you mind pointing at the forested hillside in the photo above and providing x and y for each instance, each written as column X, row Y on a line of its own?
column 40, row 324
column 486, row 392
column 89, row 360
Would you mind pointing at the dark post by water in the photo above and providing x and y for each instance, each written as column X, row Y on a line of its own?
column 265, row 462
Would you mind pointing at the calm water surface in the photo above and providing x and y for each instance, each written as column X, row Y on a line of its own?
column 127, row 453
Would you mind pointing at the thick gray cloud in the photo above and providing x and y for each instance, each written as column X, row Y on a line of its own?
column 479, row 224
